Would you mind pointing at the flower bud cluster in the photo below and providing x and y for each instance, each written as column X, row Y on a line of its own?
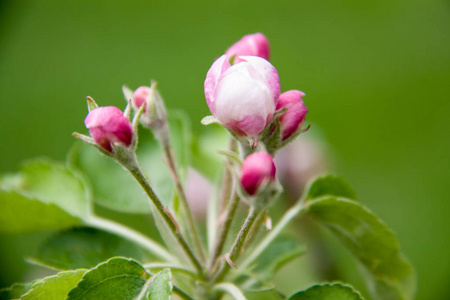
column 245, row 96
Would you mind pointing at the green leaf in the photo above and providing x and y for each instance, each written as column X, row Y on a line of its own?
column 51, row 183
column 330, row 185
column 85, row 247
column 371, row 241
column 54, row 287
column 15, row 291
column 334, row 291
column 277, row 254
column 266, row 294
column 160, row 287
column 20, row 214
column 115, row 188
column 117, row 278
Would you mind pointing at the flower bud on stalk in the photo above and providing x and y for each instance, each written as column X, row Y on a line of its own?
column 250, row 45
column 108, row 126
column 257, row 170
column 242, row 97
column 294, row 118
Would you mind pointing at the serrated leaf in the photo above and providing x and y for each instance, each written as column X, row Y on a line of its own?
column 330, row 185
column 277, row 254
column 15, row 291
column 371, row 241
column 160, row 287
column 117, row 278
column 20, row 214
column 114, row 188
column 51, row 183
column 334, row 291
column 85, row 247
column 54, row 287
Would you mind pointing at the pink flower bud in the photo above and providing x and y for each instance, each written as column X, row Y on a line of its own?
column 250, row 45
column 242, row 97
column 257, row 168
column 108, row 125
column 294, row 117
column 141, row 96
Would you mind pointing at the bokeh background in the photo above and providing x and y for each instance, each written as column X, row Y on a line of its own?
column 376, row 75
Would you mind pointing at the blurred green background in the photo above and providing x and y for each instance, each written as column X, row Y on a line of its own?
column 376, row 75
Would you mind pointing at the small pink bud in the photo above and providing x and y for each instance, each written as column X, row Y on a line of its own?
column 243, row 97
column 140, row 96
column 257, row 169
column 294, row 117
column 108, row 125
column 250, row 45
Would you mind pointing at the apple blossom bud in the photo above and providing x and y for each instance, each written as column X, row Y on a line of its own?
column 294, row 117
column 140, row 96
column 258, row 168
column 107, row 125
column 154, row 115
column 242, row 97
column 250, row 45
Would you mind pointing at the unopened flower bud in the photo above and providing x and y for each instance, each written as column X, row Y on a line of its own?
column 257, row 169
column 250, row 45
column 107, row 125
column 140, row 96
column 294, row 117
column 154, row 114
column 243, row 97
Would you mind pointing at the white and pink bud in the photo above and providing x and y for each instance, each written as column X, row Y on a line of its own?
column 250, row 45
column 142, row 95
column 107, row 126
column 294, row 118
column 258, row 169
column 243, row 97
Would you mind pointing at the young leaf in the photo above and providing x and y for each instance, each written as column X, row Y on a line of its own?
column 20, row 214
column 334, row 291
column 51, row 183
column 54, row 287
column 160, row 287
column 15, row 291
column 371, row 241
column 266, row 294
column 85, row 247
column 330, row 185
column 114, row 188
column 117, row 278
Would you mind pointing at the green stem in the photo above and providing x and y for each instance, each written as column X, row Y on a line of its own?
column 225, row 194
column 176, row 178
column 132, row 166
column 131, row 234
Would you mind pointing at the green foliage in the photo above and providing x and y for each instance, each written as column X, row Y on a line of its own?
column 114, row 188
column 334, row 291
column 160, row 287
column 20, row 214
column 54, row 287
column 268, row 294
column 15, row 291
column 371, row 241
column 85, row 247
column 117, row 278
column 330, row 185
column 51, row 183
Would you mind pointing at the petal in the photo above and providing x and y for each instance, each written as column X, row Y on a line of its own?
column 212, row 77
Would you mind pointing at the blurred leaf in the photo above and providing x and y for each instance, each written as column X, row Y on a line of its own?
column 330, row 185
column 15, row 291
column 334, row 291
column 20, row 214
column 115, row 188
column 268, row 294
column 51, row 183
column 54, row 287
column 85, row 247
column 160, row 287
column 117, row 278
column 371, row 241
column 277, row 254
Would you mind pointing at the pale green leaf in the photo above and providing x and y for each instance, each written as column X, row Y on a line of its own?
column 20, row 214
column 117, row 278
column 371, row 241
column 85, row 247
column 15, row 291
column 334, row 291
column 54, row 287
column 264, row 294
column 160, row 287
column 330, row 185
